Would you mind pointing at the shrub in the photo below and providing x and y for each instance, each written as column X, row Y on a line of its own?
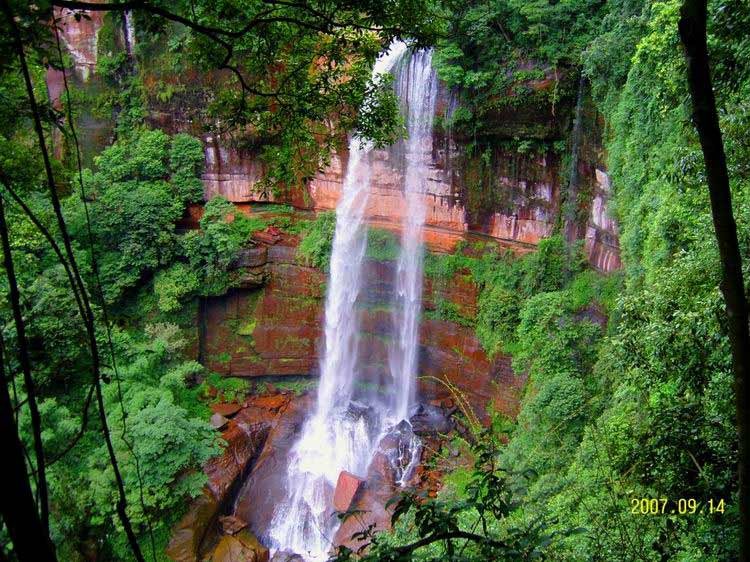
column 317, row 241
column 173, row 285
column 186, row 163
column 497, row 317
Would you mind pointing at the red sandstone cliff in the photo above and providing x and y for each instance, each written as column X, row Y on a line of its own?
column 524, row 206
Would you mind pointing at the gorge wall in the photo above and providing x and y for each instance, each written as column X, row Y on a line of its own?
column 540, row 170
column 272, row 326
column 512, row 193
column 521, row 201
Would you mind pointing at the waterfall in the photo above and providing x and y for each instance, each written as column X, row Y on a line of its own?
column 348, row 423
column 129, row 33
column 417, row 89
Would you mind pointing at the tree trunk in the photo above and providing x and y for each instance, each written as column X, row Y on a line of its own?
column 17, row 502
column 693, row 34
column 30, row 539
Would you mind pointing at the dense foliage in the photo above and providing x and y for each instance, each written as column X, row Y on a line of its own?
column 493, row 49
column 149, row 276
column 629, row 389
column 629, row 395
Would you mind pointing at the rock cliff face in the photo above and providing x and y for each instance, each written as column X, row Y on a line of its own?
column 516, row 196
column 273, row 327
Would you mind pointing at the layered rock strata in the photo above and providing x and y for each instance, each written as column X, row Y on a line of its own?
column 516, row 195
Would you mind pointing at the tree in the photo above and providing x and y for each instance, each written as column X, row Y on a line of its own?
column 18, row 507
column 293, row 73
column 293, row 76
column 693, row 34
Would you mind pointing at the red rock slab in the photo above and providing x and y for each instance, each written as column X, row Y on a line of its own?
column 347, row 487
column 266, row 237
column 273, row 402
column 226, row 410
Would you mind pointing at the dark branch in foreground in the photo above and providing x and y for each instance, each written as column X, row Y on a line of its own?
column 318, row 21
column 28, row 381
column 30, row 541
column 409, row 548
column 89, row 315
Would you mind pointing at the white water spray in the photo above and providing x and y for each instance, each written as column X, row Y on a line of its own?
column 343, row 433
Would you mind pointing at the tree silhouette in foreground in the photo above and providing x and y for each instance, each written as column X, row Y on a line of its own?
column 693, row 35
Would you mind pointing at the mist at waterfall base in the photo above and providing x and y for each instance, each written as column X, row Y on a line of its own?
column 354, row 417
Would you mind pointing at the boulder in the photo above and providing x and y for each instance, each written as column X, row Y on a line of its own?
column 430, row 419
column 273, row 402
column 251, row 257
column 244, row 443
column 251, row 277
column 258, row 499
column 282, row 254
column 347, row 487
column 242, row 547
column 226, row 410
column 218, row 421
column 231, row 525
column 268, row 236
column 187, row 536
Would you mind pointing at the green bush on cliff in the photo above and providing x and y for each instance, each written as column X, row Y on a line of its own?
column 134, row 198
column 382, row 245
column 211, row 250
column 446, row 310
column 186, row 161
column 317, row 240
column 174, row 285
column 505, row 282
column 497, row 317
column 490, row 45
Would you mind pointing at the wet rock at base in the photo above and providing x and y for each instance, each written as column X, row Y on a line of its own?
column 218, row 421
column 429, row 419
column 231, row 525
column 242, row 547
column 189, row 532
column 244, row 443
column 347, row 487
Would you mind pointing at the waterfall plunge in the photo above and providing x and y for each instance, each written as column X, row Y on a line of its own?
column 344, row 432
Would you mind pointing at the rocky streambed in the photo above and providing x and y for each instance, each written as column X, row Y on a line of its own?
column 229, row 521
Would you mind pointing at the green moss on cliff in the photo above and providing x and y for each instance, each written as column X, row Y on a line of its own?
column 382, row 245
column 317, row 240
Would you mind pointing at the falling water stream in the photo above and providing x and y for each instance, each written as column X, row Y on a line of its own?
column 417, row 89
column 349, row 422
